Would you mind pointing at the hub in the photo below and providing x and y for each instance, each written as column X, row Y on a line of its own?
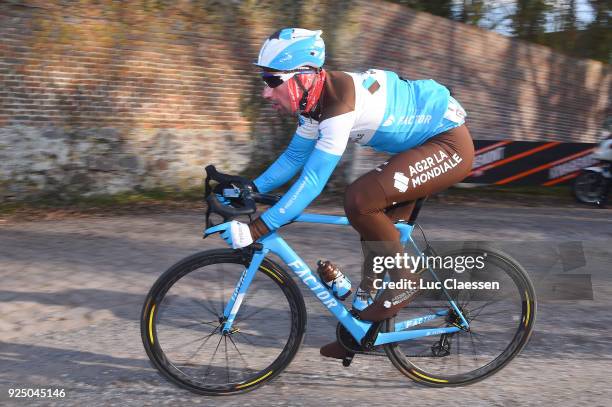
column 454, row 319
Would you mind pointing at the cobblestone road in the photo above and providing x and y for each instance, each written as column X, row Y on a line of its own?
column 72, row 290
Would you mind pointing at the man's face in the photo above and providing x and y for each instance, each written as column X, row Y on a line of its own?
column 279, row 98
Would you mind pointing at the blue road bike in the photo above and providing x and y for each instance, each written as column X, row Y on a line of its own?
column 225, row 321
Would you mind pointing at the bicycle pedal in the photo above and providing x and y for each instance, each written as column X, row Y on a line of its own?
column 346, row 362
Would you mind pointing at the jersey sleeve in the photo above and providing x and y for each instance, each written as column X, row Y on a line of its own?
column 291, row 160
column 333, row 137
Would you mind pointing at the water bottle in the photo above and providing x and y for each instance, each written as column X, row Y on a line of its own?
column 333, row 278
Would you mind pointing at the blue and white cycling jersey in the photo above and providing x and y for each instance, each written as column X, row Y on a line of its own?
column 374, row 108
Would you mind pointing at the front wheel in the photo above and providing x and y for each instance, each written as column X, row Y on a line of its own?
column 501, row 321
column 182, row 318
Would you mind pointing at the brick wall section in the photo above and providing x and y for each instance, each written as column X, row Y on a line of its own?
column 511, row 89
column 103, row 96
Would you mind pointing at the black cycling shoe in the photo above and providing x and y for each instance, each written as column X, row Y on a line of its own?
column 334, row 350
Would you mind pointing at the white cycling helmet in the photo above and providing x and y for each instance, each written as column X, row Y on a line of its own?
column 290, row 49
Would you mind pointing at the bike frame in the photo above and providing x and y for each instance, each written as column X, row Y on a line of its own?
column 274, row 243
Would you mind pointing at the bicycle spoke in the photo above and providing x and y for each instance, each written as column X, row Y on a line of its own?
column 261, row 308
column 426, row 352
column 259, row 336
column 212, row 359
column 459, row 352
column 491, row 302
column 191, row 300
column 195, row 340
column 476, row 336
column 493, row 316
column 445, row 358
column 487, row 314
column 240, row 354
column 246, row 338
column 474, row 348
column 197, row 302
column 207, row 308
column 427, row 344
column 201, row 345
column 211, row 323
column 252, row 293
column 467, row 300
column 253, row 319
column 226, row 359
column 481, row 308
column 209, row 305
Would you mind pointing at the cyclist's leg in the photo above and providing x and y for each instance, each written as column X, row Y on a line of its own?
column 374, row 203
column 396, row 213
column 367, row 277
column 369, row 207
column 432, row 167
column 402, row 212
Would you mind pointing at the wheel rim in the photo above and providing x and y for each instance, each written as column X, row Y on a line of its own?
column 486, row 347
column 588, row 187
column 188, row 339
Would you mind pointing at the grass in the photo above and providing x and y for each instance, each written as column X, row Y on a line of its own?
column 157, row 198
column 166, row 198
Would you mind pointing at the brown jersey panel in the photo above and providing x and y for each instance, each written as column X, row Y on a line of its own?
column 338, row 96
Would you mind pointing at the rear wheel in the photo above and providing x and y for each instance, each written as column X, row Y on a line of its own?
column 182, row 320
column 500, row 323
column 589, row 187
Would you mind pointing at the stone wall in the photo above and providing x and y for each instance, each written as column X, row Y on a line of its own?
column 103, row 96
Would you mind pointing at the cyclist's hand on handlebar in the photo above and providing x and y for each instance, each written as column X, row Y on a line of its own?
column 225, row 193
column 236, row 234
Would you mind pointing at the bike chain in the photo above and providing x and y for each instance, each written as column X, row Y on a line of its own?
column 346, row 340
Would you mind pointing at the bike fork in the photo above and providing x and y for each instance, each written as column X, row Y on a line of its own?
column 233, row 305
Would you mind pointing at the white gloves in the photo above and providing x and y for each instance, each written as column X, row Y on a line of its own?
column 236, row 234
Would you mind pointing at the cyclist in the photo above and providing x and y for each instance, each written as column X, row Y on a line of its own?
column 416, row 121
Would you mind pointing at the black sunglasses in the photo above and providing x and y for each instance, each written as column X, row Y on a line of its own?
column 272, row 80
column 275, row 79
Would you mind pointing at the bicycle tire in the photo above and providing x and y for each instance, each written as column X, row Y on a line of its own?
column 410, row 366
column 588, row 187
column 153, row 307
